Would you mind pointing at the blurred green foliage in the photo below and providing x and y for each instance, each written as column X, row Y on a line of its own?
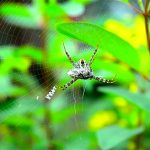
column 99, row 116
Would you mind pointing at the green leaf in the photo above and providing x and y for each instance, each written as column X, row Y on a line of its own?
column 95, row 35
column 137, row 99
column 110, row 137
column 29, row 51
column 8, row 89
column 18, row 107
column 24, row 121
column 83, row 1
column 54, row 11
column 39, row 5
column 20, row 15
column 6, row 52
column 104, row 66
column 124, row 1
column 65, row 114
column 21, row 64
column 75, row 141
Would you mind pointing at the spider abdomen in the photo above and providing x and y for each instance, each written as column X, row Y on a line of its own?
column 81, row 73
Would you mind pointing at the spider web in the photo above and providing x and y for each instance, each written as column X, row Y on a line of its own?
column 19, row 109
column 16, row 109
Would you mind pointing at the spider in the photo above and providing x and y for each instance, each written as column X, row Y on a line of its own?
column 81, row 70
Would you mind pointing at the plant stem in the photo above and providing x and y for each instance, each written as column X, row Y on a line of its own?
column 147, row 31
column 46, row 73
column 138, row 138
column 146, row 5
column 145, row 15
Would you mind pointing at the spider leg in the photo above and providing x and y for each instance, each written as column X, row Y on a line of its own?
column 104, row 80
column 92, row 58
column 53, row 90
column 70, row 59
column 67, row 84
column 51, row 93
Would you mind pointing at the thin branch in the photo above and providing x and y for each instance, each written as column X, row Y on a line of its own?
column 135, row 9
column 145, row 14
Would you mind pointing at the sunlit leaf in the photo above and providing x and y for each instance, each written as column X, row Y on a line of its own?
column 95, row 35
column 137, row 99
column 110, row 137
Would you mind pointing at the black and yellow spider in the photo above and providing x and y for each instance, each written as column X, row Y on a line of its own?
column 82, row 70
